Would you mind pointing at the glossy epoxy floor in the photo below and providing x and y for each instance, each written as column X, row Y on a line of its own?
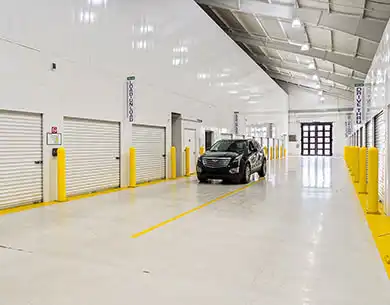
column 298, row 238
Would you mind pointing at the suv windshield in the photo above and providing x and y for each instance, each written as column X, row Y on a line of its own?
column 229, row 145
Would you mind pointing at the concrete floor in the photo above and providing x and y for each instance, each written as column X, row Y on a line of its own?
column 298, row 238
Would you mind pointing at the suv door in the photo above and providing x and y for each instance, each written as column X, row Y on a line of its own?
column 259, row 155
column 253, row 156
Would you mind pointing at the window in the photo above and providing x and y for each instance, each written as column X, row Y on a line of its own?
column 319, row 136
column 251, row 146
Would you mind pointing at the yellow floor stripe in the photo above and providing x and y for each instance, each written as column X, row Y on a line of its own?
column 78, row 197
column 379, row 225
column 136, row 235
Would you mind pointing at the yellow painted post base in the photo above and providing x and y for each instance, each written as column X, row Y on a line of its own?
column 61, row 175
column 173, row 162
column 188, row 158
column 132, row 161
column 372, row 198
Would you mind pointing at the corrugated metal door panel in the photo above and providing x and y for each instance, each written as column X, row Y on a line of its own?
column 226, row 136
column 21, row 174
column 92, row 155
column 149, row 142
column 380, row 143
column 369, row 143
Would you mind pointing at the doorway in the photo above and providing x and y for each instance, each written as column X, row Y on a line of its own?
column 317, row 139
column 176, row 137
column 190, row 141
column 209, row 139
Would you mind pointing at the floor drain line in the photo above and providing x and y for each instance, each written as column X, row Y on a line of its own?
column 14, row 249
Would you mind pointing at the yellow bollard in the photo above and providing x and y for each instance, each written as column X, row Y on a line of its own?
column 265, row 151
column 173, row 162
column 201, row 150
column 281, row 152
column 285, row 152
column 187, row 151
column 133, row 167
column 372, row 198
column 350, row 159
column 276, row 152
column 362, row 171
column 356, row 173
column 271, row 153
column 61, row 175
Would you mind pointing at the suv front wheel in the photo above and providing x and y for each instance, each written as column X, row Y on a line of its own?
column 246, row 175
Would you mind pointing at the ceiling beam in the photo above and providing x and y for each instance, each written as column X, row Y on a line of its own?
column 310, row 85
column 367, row 29
column 296, row 67
column 358, row 64
column 343, row 80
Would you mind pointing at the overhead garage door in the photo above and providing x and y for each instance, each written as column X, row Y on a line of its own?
column 379, row 142
column 226, row 136
column 149, row 142
column 92, row 155
column 20, row 159
column 369, row 142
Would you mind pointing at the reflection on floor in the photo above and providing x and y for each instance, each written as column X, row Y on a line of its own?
column 296, row 238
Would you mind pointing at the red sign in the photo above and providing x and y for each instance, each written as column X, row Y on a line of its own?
column 54, row 130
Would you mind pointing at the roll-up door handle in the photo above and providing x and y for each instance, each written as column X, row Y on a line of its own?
column 38, row 162
column 117, row 158
column 164, row 155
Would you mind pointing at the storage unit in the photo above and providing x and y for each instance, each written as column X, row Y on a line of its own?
column 149, row 142
column 21, row 174
column 92, row 155
column 380, row 143
column 226, row 136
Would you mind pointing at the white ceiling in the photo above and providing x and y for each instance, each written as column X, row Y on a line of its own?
column 342, row 36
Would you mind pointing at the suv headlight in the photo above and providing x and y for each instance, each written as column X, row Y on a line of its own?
column 236, row 161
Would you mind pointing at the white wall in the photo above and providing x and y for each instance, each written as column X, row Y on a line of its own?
column 177, row 54
column 305, row 106
column 378, row 85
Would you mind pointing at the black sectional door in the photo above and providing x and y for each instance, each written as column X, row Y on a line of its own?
column 316, row 139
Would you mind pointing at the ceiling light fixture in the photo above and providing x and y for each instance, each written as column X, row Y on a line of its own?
column 233, row 92
column 296, row 23
column 318, row 86
column 252, row 102
column 312, row 66
column 322, row 99
column 319, row 92
column 305, row 47
column 315, row 77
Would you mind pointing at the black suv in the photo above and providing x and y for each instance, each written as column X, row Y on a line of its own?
column 233, row 161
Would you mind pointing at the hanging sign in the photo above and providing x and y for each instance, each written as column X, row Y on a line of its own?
column 130, row 98
column 367, row 103
column 235, row 120
column 348, row 125
column 358, row 106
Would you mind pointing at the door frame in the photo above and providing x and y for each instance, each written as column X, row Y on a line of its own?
column 316, row 138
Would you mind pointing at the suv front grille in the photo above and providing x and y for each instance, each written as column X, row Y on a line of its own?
column 216, row 162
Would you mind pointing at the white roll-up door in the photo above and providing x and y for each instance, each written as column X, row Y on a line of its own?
column 226, row 136
column 380, row 143
column 369, row 142
column 149, row 142
column 20, row 159
column 92, row 155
